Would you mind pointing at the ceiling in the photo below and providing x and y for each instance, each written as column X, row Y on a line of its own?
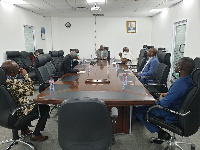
column 112, row 8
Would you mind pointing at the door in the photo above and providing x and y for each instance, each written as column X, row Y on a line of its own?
column 178, row 45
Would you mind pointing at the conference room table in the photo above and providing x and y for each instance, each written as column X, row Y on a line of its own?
column 104, row 80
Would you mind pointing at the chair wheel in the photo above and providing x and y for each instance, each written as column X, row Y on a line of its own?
column 151, row 139
column 167, row 148
column 193, row 147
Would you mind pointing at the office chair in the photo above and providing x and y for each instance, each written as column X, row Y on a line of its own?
column 107, row 48
column 188, row 115
column 28, row 64
column 40, row 51
column 197, row 62
column 17, row 57
column 142, row 60
column 56, row 60
column 159, row 81
column 42, row 72
column 9, row 119
column 84, row 124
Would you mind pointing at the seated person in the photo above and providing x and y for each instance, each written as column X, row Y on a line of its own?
column 101, row 53
column 172, row 99
column 127, row 57
column 69, row 62
column 145, row 76
column 19, row 92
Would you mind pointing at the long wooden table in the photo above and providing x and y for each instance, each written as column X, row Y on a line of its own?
column 104, row 81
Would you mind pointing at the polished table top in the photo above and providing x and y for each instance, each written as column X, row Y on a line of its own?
column 103, row 80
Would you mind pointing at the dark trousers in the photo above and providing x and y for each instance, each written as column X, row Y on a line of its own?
column 43, row 115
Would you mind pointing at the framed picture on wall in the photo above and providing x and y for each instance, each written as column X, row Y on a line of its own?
column 131, row 26
column 42, row 33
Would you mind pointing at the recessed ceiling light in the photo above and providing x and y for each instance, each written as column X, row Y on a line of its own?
column 96, row 1
column 158, row 10
column 15, row 1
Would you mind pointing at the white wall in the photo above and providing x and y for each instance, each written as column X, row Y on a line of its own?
column 162, row 27
column 12, row 30
column 111, row 32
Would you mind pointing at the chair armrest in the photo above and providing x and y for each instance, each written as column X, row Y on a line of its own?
column 156, row 84
column 22, row 107
column 166, row 109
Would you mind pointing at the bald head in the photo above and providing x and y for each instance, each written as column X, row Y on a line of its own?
column 10, row 67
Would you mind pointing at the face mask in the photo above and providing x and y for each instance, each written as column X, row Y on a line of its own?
column 176, row 75
column 74, row 60
column 78, row 55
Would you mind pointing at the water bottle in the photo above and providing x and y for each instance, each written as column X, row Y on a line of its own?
column 124, row 79
column 114, row 59
column 51, row 83
column 89, row 68
column 102, row 54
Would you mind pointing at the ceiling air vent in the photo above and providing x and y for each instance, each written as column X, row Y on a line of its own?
column 98, row 14
column 80, row 8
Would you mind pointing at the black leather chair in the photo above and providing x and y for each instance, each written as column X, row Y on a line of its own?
column 28, row 65
column 17, row 57
column 61, row 55
column 107, row 48
column 55, row 60
column 9, row 119
column 40, row 51
column 188, row 115
column 160, row 76
column 84, row 124
column 51, row 68
column 197, row 62
column 42, row 72
column 142, row 60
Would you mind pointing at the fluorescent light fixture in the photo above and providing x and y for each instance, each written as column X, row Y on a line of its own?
column 96, row 1
column 159, row 10
column 15, row 1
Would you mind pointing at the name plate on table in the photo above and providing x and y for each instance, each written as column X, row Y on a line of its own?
column 98, row 81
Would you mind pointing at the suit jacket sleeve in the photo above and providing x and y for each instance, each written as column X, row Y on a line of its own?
column 150, row 68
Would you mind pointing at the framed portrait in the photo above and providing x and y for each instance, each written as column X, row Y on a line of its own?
column 42, row 33
column 131, row 26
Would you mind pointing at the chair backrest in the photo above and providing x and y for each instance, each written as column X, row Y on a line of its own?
column 84, row 124
column 61, row 55
column 17, row 57
column 141, row 60
column 40, row 51
column 26, row 59
column 7, row 104
column 190, row 123
column 162, row 71
column 41, row 70
column 55, row 59
column 197, row 62
column 50, row 67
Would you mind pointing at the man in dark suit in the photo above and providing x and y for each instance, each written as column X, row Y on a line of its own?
column 145, row 76
column 68, row 65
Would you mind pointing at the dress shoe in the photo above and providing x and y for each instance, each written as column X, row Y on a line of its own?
column 39, row 138
column 26, row 132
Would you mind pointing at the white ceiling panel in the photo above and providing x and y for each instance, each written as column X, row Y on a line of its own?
column 112, row 8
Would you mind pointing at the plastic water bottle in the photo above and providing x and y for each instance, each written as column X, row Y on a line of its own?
column 124, row 79
column 89, row 68
column 102, row 54
column 114, row 59
column 51, row 83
